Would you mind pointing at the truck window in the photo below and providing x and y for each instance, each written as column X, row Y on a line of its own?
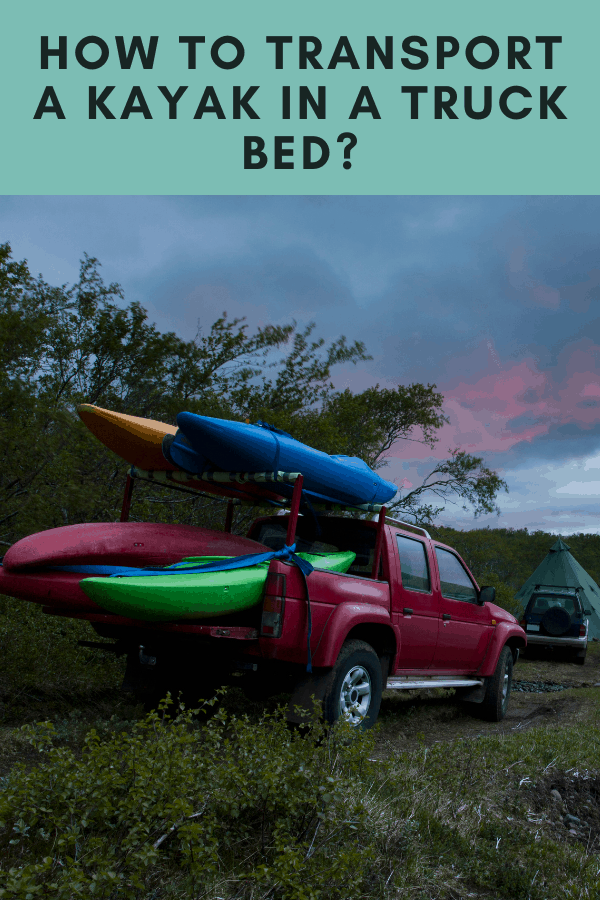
column 328, row 535
column 455, row 583
column 541, row 604
column 413, row 564
column 273, row 536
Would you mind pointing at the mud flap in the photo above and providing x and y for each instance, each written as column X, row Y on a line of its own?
column 474, row 694
column 307, row 698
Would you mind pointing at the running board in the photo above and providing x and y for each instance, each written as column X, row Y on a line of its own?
column 412, row 684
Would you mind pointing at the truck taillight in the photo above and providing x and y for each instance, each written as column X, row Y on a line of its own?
column 582, row 631
column 273, row 606
column 523, row 623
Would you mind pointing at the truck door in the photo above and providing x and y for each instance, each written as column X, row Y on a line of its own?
column 464, row 626
column 415, row 604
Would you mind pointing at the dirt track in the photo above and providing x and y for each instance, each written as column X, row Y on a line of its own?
column 413, row 717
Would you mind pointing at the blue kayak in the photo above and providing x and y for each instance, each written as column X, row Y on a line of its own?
column 203, row 443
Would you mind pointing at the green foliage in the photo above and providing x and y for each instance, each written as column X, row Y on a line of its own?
column 505, row 594
column 463, row 478
column 66, row 345
column 168, row 801
column 512, row 554
column 368, row 424
column 41, row 651
column 169, row 808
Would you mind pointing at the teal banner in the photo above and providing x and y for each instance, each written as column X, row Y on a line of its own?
column 383, row 97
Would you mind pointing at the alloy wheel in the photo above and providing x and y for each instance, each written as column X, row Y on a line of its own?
column 355, row 695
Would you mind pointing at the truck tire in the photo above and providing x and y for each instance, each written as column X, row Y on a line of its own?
column 495, row 703
column 354, row 686
column 556, row 621
column 579, row 657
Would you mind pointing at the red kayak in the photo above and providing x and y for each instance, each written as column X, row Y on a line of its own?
column 25, row 572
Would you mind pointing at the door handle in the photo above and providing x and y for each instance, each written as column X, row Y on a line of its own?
column 407, row 611
column 446, row 617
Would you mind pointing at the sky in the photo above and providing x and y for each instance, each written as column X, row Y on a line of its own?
column 494, row 299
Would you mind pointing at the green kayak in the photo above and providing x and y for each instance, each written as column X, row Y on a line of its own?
column 196, row 595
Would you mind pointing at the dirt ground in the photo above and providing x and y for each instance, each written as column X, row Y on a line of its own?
column 567, row 803
column 410, row 718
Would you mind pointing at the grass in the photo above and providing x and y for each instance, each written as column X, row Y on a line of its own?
column 432, row 805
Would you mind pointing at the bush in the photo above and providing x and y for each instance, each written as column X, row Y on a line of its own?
column 42, row 650
column 169, row 806
column 505, row 594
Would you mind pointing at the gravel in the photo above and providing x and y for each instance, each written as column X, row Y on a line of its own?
column 538, row 687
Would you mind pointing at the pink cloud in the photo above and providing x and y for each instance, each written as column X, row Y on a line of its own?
column 590, row 390
column 517, row 402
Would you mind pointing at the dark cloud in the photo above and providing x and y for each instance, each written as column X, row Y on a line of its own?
column 561, row 442
column 491, row 298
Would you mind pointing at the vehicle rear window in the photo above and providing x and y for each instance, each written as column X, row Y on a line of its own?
column 541, row 604
column 325, row 535
column 455, row 583
column 413, row 564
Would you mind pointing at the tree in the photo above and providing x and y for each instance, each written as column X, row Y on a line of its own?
column 463, row 478
column 66, row 345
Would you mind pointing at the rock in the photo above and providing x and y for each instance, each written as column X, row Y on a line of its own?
column 573, row 832
column 537, row 687
column 555, row 795
column 570, row 821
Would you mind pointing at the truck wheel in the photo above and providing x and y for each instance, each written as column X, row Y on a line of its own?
column 579, row 657
column 354, row 686
column 497, row 694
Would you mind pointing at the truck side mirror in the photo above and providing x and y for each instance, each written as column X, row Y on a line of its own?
column 587, row 612
column 486, row 595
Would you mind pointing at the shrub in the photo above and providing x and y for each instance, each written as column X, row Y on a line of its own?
column 505, row 594
column 39, row 650
column 169, row 805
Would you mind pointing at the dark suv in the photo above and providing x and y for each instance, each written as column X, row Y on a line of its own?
column 555, row 618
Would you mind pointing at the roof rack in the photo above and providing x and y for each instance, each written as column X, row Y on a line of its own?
column 323, row 506
column 416, row 528
column 231, row 485
column 554, row 588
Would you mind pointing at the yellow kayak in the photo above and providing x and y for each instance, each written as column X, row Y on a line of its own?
column 133, row 438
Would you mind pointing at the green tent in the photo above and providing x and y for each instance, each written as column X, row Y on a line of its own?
column 560, row 569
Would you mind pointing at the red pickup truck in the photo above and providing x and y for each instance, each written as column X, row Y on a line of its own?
column 408, row 614
column 419, row 621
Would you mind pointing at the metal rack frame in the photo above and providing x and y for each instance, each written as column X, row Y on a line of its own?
column 229, row 486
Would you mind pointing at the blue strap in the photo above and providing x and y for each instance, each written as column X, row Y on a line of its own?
column 273, row 428
column 237, row 562
column 286, row 554
column 309, row 624
column 277, row 454
column 92, row 570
